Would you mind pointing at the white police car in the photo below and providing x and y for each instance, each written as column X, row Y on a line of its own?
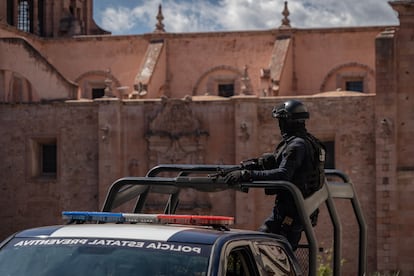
column 103, row 243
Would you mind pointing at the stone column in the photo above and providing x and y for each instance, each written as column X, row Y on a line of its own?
column 386, row 177
column 401, row 210
column 246, row 130
column 110, row 152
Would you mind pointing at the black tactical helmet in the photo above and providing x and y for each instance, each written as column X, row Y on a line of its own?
column 291, row 110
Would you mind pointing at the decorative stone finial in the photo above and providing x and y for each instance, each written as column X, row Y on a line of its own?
column 245, row 81
column 159, row 27
column 108, row 84
column 285, row 20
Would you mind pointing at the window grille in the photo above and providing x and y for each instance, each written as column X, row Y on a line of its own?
column 357, row 86
column 226, row 90
column 23, row 18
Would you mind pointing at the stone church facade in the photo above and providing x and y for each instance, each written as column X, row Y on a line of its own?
column 80, row 108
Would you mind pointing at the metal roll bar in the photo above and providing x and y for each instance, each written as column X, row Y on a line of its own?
column 128, row 188
column 345, row 190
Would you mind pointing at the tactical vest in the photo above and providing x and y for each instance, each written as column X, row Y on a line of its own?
column 315, row 174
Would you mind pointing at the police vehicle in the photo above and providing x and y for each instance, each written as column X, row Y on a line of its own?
column 102, row 243
column 135, row 243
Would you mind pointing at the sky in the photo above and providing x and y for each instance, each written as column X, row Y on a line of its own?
column 128, row 17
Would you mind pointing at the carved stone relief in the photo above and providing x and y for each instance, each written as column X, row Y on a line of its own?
column 175, row 136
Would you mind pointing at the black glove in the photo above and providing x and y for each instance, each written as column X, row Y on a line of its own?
column 267, row 161
column 250, row 164
column 238, row 176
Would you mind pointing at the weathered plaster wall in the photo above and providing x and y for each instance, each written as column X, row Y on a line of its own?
column 17, row 55
column 325, row 50
column 102, row 140
column 198, row 62
column 121, row 55
column 403, row 209
column 234, row 50
column 29, row 200
column 395, row 162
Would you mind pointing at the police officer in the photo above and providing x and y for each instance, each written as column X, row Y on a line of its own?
column 299, row 158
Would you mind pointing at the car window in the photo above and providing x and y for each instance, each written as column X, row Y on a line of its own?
column 93, row 257
column 275, row 259
column 240, row 262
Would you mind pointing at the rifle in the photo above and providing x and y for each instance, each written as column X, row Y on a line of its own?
column 265, row 162
column 249, row 164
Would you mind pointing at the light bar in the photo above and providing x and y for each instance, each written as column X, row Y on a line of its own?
column 92, row 216
column 196, row 220
column 81, row 216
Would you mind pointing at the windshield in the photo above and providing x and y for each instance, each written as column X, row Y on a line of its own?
column 110, row 257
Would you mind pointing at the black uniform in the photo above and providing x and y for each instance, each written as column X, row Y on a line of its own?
column 299, row 159
column 294, row 162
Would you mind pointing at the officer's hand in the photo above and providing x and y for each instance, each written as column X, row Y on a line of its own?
column 232, row 177
column 267, row 161
column 238, row 176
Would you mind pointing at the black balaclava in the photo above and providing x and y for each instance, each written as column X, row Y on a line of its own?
column 292, row 127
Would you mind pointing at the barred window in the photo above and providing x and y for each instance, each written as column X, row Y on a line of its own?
column 23, row 19
column 226, row 90
column 356, row 85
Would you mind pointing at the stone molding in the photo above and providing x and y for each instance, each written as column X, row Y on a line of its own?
column 338, row 68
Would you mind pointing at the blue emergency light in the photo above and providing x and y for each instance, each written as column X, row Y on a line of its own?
column 93, row 216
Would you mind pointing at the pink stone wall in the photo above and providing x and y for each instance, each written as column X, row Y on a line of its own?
column 102, row 140
column 20, row 57
column 395, row 162
column 75, row 57
column 342, row 46
column 28, row 200
column 403, row 208
column 229, row 50
column 194, row 64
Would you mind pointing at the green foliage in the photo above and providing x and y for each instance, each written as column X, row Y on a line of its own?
column 325, row 265
column 324, row 261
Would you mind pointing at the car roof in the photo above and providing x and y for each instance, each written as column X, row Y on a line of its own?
column 170, row 233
